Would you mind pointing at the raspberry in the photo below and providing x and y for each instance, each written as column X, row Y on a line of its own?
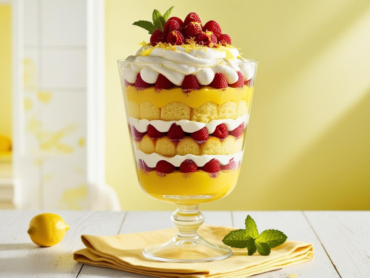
column 175, row 38
column 178, row 20
column 192, row 30
column 212, row 26
column 126, row 83
column 224, row 39
column 207, row 39
column 240, row 82
column 190, row 83
column 231, row 165
column 192, row 17
column 200, row 136
column 212, row 166
column 248, row 82
column 171, row 25
column 145, row 167
column 163, row 83
column 219, row 82
column 237, row 132
column 136, row 134
column 156, row 37
column 221, row 131
column 140, row 84
column 164, row 167
column 175, row 133
column 188, row 166
column 154, row 133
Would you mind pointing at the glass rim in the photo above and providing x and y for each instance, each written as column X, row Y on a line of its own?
column 249, row 61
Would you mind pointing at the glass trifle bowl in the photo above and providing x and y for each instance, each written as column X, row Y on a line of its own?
column 188, row 113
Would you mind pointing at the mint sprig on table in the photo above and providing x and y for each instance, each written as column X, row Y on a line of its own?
column 158, row 21
column 250, row 238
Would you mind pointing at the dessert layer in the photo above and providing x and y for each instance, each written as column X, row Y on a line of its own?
column 188, row 126
column 176, row 111
column 212, row 146
column 151, row 160
column 193, row 100
column 198, row 187
column 174, row 62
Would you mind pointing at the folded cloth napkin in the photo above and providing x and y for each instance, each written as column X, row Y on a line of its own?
column 124, row 252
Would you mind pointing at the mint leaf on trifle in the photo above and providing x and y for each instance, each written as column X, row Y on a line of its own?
column 147, row 25
column 167, row 13
column 158, row 21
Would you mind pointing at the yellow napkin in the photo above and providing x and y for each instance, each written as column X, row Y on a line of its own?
column 124, row 252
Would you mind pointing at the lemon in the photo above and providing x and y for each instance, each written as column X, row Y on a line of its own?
column 47, row 229
column 5, row 144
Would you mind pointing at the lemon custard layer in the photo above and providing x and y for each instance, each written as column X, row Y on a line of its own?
column 193, row 99
column 200, row 183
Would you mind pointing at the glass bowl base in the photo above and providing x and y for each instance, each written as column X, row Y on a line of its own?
column 187, row 250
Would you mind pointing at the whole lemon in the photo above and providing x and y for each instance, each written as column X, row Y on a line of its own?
column 47, row 229
column 5, row 144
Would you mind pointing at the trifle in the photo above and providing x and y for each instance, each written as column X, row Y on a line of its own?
column 188, row 95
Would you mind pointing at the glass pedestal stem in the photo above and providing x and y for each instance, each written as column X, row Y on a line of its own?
column 187, row 246
column 187, row 219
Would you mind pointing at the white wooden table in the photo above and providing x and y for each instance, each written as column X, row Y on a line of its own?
column 341, row 241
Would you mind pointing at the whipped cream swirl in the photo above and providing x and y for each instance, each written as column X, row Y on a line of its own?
column 177, row 62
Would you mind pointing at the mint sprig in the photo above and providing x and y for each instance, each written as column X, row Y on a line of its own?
column 250, row 238
column 167, row 13
column 158, row 21
column 147, row 25
column 273, row 238
column 251, row 246
column 236, row 239
column 251, row 227
column 263, row 248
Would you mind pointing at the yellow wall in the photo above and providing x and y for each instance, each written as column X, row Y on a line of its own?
column 5, row 70
column 308, row 143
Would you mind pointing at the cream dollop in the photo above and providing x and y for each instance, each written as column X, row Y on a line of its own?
column 178, row 61
column 188, row 126
column 200, row 160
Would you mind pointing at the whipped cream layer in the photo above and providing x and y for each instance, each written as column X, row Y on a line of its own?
column 178, row 61
column 200, row 160
column 188, row 126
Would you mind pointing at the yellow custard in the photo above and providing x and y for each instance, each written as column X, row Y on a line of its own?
column 200, row 184
column 194, row 99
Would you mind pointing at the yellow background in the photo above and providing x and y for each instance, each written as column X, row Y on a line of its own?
column 5, row 70
column 308, row 143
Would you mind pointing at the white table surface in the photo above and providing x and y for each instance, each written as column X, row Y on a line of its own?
column 341, row 240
